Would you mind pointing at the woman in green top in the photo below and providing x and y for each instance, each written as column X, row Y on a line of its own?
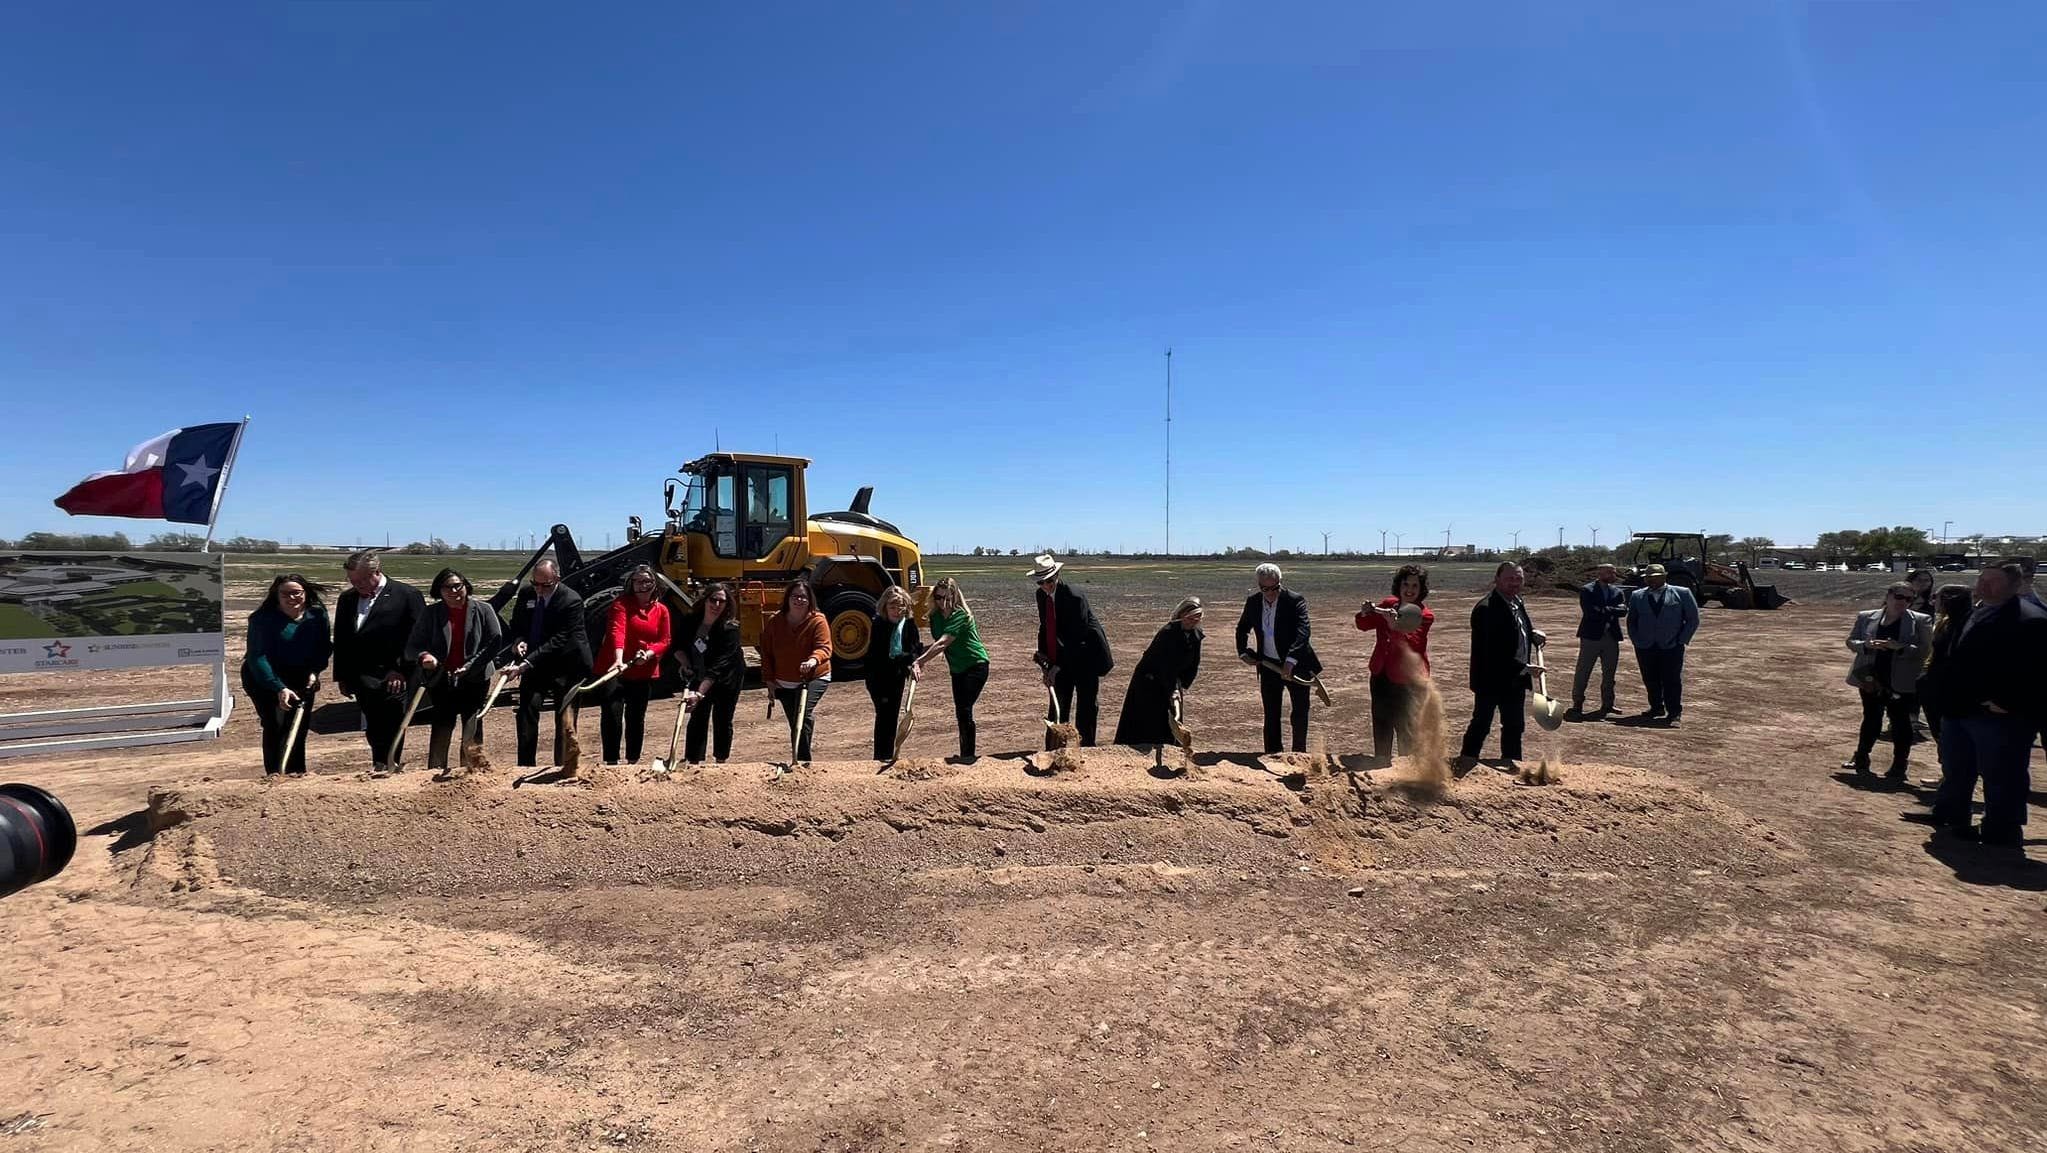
column 289, row 643
column 954, row 633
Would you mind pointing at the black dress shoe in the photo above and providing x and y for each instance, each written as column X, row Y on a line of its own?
column 2007, row 837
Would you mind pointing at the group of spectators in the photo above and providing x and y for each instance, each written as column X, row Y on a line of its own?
column 1970, row 664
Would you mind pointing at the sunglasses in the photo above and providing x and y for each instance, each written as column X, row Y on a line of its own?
column 717, row 600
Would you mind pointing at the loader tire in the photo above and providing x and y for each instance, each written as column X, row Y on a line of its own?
column 850, row 612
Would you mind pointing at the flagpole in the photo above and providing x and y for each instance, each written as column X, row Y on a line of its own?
column 227, row 470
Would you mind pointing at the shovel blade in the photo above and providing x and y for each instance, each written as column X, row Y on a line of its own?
column 1548, row 713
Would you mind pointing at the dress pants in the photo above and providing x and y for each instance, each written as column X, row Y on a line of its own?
column 1513, row 709
column 1271, row 686
column 1072, row 691
column 1606, row 653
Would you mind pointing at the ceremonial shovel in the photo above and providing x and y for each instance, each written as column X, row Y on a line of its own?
column 1548, row 713
column 903, row 728
column 661, row 765
column 1276, row 667
column 291, row 735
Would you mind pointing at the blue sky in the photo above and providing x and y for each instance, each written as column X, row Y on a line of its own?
column 1746, row 267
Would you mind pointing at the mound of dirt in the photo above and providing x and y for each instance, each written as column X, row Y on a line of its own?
column 350, row 840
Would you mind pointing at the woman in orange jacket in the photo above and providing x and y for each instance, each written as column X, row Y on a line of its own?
column 638, row 638
column 796, row 657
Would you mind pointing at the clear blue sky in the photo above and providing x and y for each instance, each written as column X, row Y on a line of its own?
column 1745, row 267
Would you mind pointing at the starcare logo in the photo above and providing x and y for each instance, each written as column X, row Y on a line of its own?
column 56, row 655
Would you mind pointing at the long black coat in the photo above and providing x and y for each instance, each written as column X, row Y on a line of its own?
column 1496, row 665
column 1171, row 661
column 1083, row 645
column 363, row 657
column 1289, row 631
column 878, row 668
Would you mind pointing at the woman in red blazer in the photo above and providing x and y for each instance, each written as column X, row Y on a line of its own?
column 638, row 638
column 1400, row 662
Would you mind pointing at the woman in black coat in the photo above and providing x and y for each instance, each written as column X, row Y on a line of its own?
column 892, row 651
column 1168, row 666
column 452, row 646
column 715, row 671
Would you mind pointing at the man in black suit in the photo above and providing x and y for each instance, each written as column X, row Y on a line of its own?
column 1073, row 651
column 551, row 652
column 1276, row 620
column 1993, row 694
column 372, row 621
column 1503, row 641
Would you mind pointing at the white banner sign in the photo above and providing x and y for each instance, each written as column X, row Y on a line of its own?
column 63, row 612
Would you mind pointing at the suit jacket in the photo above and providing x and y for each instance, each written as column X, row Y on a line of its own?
column 1083, row 646
column 564, row 649
column 1600, row 609
column 880, row 668
column 480, row 637
column 1915, row 633
column 363, row 657
column 1496, row 664
column 1672, row 628
column 2003, row 660
column 720, row 661
column 1289, row 630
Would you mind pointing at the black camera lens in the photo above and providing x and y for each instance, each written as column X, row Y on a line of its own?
column 36, row 837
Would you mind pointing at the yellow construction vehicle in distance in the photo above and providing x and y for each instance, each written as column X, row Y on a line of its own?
column 744, row 518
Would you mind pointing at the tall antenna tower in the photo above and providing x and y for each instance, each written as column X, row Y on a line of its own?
column 1169, row 451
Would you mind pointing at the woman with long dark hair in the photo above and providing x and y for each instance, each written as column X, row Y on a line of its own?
column 716, row 671
column 290, row 640
column 639, row 627
column 1400, row 660
column 796, row 658
column 452, row 646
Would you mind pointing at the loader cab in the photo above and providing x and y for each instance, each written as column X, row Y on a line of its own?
column 741, row 513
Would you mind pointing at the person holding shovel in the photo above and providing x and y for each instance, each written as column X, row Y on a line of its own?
column 1276, row 617
column 796, row 658
column 716, row 672
column 551, row 652
column 954, row 633
column 289, row 643
column 892, row 650
column 452, row 646
column 1167, row 668
column 1400, row 660
column 637, row 637
column 1073, row 651
column 1504, row 644
column 1661, row 621
column 373, row 619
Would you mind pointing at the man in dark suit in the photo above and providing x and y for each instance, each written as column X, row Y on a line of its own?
column 1073, row 651
column 1503, row 642
column 1601, row 607
column 1993, row 694
column 550, row 651
column 1275, row 621
column 372, row 621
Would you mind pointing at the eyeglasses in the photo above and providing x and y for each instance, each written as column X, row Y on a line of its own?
column 293, row 593
column 717, row 600
column 1901, row 596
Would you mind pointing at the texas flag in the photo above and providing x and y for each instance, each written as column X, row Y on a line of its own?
column 171, row 477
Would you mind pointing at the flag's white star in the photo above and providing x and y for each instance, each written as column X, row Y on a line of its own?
column 199, row 473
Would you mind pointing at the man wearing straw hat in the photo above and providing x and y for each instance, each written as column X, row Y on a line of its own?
column 1073, row 651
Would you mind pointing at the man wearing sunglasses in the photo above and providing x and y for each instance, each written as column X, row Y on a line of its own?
column 1890, row 645
column 551, row 655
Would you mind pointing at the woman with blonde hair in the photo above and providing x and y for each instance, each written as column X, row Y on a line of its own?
column 1167, row 668
column 893, row 647
column 954, row 633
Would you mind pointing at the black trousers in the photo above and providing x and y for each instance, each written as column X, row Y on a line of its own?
column 625, row 715
column 381, row 712
column 535, row 689
column 452, row 703
column 276, row 721
column 1074, row 691
column 1270, row 686
column 711, row 723
column 887, row 695
column 787, row 699
column 1393, row 708
column 1663, row 676
column 1899, row 707
column 1513, row 709
column 966, row 689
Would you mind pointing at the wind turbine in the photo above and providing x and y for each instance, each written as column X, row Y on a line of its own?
column 1595, row 534
column 1325, row 544
column 1517, row 538
column 1446, row 537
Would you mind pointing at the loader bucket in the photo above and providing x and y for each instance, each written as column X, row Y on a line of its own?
column 1767, row 597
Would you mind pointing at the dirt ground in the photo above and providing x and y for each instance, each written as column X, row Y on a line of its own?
column 1695, row 939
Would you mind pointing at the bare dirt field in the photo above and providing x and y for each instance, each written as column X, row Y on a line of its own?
column 1695, row 939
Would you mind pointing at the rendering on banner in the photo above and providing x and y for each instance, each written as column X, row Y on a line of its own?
column 65, row 611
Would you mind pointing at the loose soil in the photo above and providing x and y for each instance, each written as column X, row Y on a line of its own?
column 1692, row 939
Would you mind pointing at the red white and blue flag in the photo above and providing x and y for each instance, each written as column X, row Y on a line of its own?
column 171, row 477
